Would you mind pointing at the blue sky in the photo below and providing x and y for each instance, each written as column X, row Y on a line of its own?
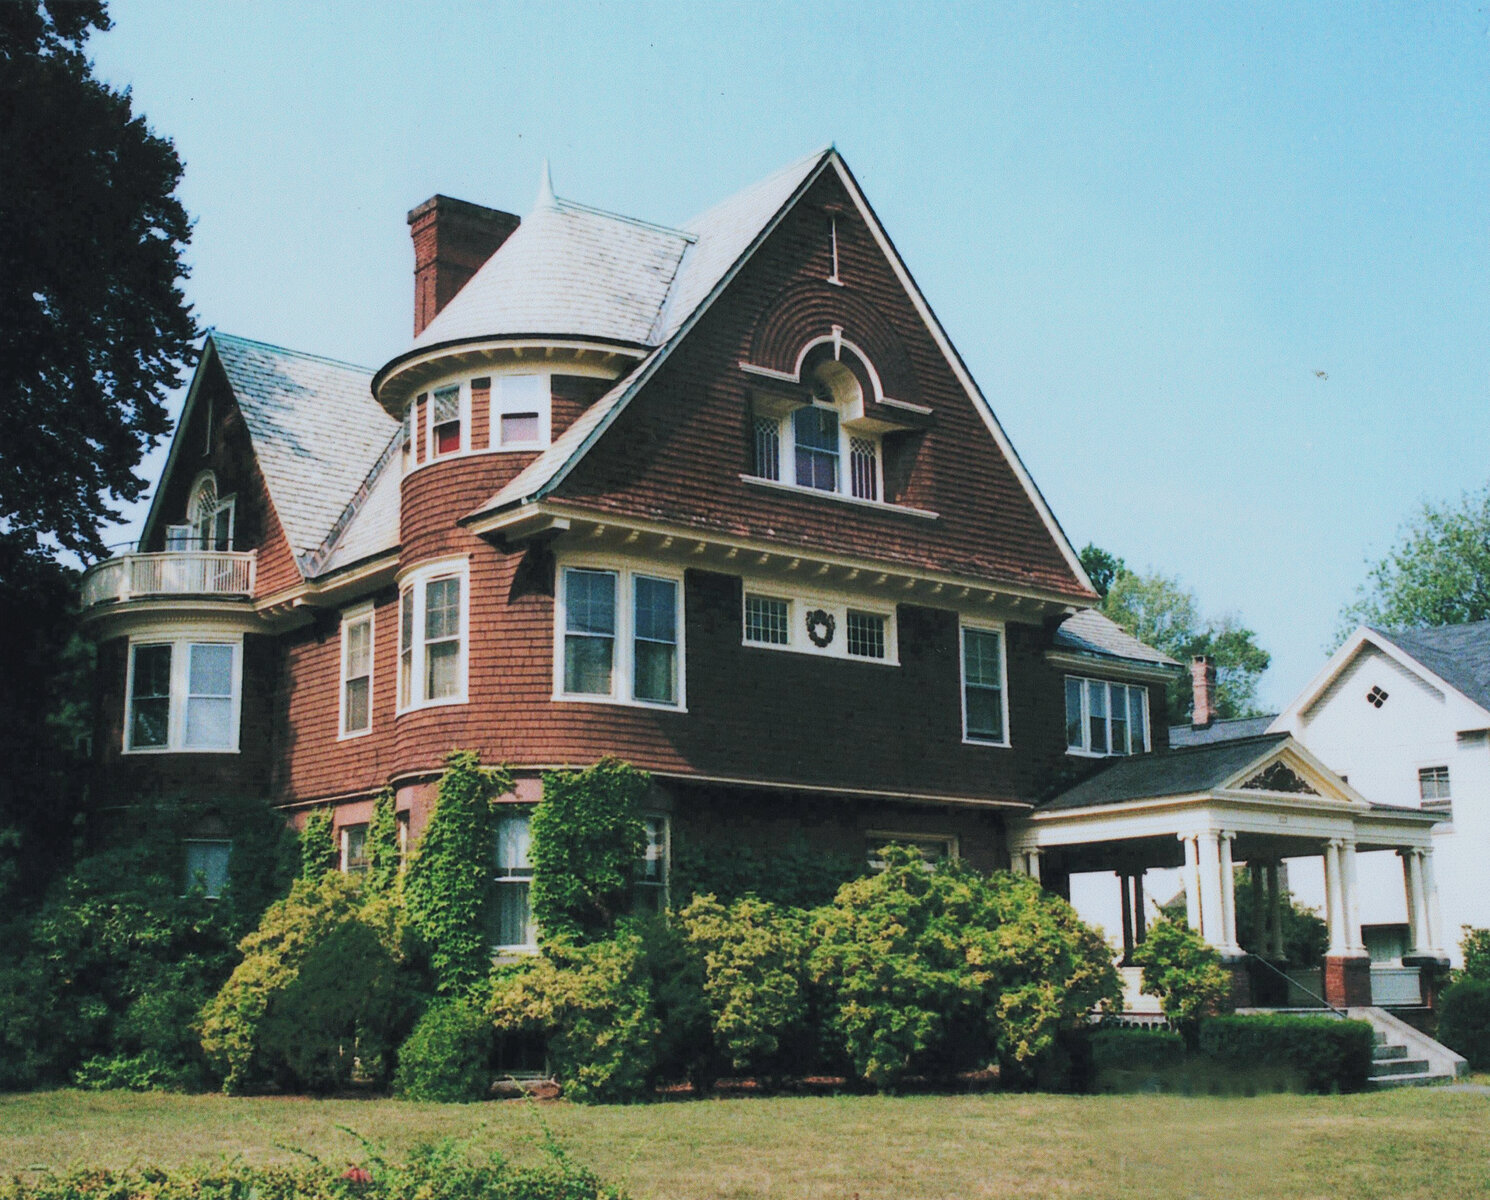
column 1147, row 228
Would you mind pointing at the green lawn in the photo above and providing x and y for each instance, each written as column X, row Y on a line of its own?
column 1395, row 1144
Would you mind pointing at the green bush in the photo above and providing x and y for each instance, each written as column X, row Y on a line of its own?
column 755, row 958
column 1184, row 973
column 1126, row 1049
column 317, row 845
column 440, row 1171
column 1327, row 1053
column 1476, row 947
column 448, row 1055
column 588, row 839
column 318, row 993
column 593, row 1006
column 1464, row 1020
column 791, row 873
column 685, row 1038
column 382, row 843
column 449, row 877
column 934, row 972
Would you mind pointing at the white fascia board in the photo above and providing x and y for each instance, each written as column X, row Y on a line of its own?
column 209, row 350
column 1299, row 759
column 959, row 368
column 1099, row 664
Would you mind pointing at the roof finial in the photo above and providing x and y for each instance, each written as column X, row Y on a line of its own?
column 545, row 188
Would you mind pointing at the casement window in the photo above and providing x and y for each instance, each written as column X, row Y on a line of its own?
column 1433, row 784
column 356, row 672
column 1106, row 718
column 183, row 695
column 934, row 847
column 206, row 866
column 354, row 859
column 985, row 717
column 511, row 921
column 818, row 624
column 619, row 636
column 432, row 606
column 521, row 412
column 652, row 877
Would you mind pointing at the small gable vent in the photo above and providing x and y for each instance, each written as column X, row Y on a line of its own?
column 1279, row 778
column 1376, row 697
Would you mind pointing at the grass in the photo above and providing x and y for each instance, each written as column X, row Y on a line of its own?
column 1409, row 1143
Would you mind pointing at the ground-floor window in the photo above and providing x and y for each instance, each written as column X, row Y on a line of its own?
column 651, row 884
column 354, row 849
column 934, row 847
column 207, row 866
column 512, row 926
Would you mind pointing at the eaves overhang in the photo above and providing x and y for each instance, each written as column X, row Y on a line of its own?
column 1109, row 664
column 727, row 553
column 289, row 606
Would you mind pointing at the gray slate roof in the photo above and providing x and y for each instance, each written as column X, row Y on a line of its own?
column 1175, row 773
column 1457, row 654
column 316, row 429
column 1090, row 632
column 1181, row 736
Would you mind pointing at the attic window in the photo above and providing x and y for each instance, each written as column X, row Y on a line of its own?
column 445, row 421
column 1376, row 697
column 521, row 411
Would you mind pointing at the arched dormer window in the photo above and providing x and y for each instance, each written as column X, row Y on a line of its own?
column 209, row 520
column 817, row 440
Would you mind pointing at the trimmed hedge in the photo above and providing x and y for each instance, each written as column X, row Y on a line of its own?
column 1128, row 1049
column 1329, row 1054
column 1464, row 1020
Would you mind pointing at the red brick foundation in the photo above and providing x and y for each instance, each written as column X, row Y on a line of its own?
column 1347, row 980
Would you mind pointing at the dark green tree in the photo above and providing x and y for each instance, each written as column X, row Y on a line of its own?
column 1438, row 573
column 94, row 330
column 1101, row 567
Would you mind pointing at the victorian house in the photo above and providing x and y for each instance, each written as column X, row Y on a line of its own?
column 721, row 500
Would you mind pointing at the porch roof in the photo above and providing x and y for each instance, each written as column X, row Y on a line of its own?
column 1173, row 773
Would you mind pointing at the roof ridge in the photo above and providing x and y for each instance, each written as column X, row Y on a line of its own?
column 560, row 203
column 795, row 165
column 1241, row 741
column 217, row 334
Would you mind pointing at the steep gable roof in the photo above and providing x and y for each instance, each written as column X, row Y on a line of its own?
column 1457, row 654
column 316, row 431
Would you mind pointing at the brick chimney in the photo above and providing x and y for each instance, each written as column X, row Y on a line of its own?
column 452, row 238
column 1203, row 684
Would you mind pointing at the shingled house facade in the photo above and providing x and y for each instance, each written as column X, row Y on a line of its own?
column 719, row 500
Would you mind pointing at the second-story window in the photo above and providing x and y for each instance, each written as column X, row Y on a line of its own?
column 356, row 671
column 619, row 636
column 445, row 421
column 983, row 715
column 432, row 637
column 1106, row 718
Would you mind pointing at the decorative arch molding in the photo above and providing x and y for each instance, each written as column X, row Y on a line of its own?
column 807, row 313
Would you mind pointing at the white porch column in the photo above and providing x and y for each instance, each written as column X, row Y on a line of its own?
column 1212, row 918
column 1334, row 897
column 1275, row 909
column 1192, row 883
column 1412, row 884
column 1352, row 907
column 1430, row 888
column 1034, row 856
column 1230, row 945
column 1016, row 862
column 1259, row 907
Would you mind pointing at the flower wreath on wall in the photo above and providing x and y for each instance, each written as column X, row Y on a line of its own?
column 820, row 627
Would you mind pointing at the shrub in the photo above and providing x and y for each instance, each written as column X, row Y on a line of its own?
column 593, row 1006
column 1329, row 1054
column 318, row 988
column 447, row 1057
column 317, row 845
column 382, row 843
column 1476, row 947
column 1183, row 972
column 441, row 1171
column 754, row 980
column 1117, row 1048
column 447, row 882
column 588, row 838
column 791, row 873
column 934, row 972
column 1464, row 1020
column 685, row 1039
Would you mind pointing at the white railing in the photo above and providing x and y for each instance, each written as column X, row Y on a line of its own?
column 174, row 573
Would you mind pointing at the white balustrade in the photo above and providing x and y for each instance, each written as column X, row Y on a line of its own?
column 173, row 573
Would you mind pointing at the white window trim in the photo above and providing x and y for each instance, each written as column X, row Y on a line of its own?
column 905, row 837
column 1084, row 751
column 1436, row 764
column 353, row 616
column 415, row 581
column 180, row 644
column 839, row 604
column 497, row 408
column 623, row 657
column 984, row 627
column 500, row 949
column 463, row 389
column 344, row 842
column 786, row 465
column 666, row 821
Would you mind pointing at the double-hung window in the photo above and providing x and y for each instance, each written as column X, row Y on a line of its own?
column 511, row 921
column 815, row 438
column 651, row 882
column 445, row 422
column 619, row 636
column 520, row 412
column 432, row 636
column 984, row 715
column 1433, row 785
column 356, row 672
column 354, row 860
column 207, row 865
column 1106, row 718
column 183, row 695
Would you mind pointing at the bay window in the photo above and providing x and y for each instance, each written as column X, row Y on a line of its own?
column 1105, row 718
column 183, row 694
column 356, row 671
column 619, row 636
column 984, row 714
column 432, row 636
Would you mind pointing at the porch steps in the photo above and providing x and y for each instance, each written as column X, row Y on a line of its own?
column 1404, row 1057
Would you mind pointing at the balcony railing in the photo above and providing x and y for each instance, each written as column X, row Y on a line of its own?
column 228, row 573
